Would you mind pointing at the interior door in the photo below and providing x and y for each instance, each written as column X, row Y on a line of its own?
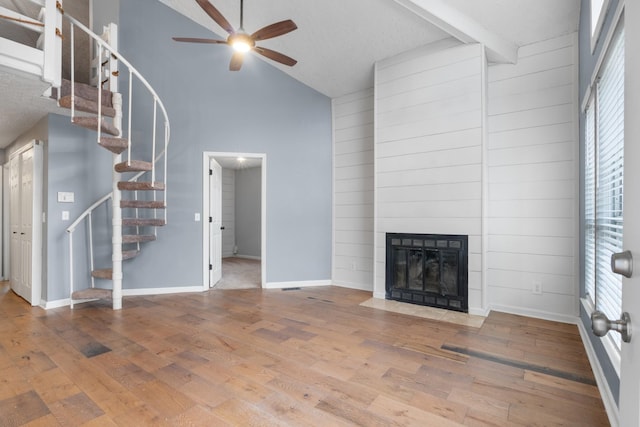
column 26, row 223
column 15, row 225
column 215, row 222
column 630, row 368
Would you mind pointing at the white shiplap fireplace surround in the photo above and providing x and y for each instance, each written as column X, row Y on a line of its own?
column 448, row 144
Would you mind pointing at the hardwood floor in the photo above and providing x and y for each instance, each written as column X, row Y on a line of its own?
column 308, row 357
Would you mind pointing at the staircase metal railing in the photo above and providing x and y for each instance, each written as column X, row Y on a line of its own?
column 107, row 50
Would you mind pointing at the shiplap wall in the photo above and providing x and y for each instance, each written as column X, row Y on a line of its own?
column 533, row 180
column 353, row 190
column 228, row 211
column 428, row 151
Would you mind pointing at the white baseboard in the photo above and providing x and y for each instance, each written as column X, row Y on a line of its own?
column 352, row 285
column 297, row 284
column 605, row 392
column 47, row 305
column 477, row 311
column 538, row 314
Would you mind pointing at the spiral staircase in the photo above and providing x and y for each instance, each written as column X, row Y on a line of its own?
column 136, row 205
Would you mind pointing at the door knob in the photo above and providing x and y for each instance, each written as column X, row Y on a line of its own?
column 622, row 263
column 600, row 325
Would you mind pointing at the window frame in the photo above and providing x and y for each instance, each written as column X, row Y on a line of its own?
column 596, row 24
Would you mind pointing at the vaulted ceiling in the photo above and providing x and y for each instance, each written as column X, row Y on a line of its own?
column 338, row 41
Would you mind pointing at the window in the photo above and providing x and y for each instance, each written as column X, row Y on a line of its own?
column 604, row 165
column 598, row 13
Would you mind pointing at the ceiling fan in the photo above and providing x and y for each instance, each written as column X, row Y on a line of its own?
column 241, row 41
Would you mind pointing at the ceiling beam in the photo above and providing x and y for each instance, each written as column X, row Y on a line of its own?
column 463, row 28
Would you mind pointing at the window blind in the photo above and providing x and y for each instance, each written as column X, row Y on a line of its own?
column 589, row 203
column 609, row 180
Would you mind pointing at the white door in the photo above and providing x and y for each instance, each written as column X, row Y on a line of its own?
column 26, row 224
column 15, row 224
column 25, row 207
column 630, row 369
column 215, row 224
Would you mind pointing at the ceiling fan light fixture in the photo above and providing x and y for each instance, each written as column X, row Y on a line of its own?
column 241, row 42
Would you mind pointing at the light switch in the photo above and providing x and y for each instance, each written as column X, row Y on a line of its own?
column 65, row 215
column 197, row 217
column 66, row 197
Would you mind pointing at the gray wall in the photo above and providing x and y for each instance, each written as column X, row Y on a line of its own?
column 256, row 110
column 104, row 12
column 248, row 211
column 587, row 66
column 74, row 164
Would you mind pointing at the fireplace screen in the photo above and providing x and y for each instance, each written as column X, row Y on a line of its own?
column 427, row 269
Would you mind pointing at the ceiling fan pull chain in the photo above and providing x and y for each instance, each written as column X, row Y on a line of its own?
column 241, row 15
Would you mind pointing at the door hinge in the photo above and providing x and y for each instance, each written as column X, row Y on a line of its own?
column 210, row 267
column 210, row 219
column 210, row 172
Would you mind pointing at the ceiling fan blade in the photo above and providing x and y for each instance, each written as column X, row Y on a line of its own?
column 196, row 40
column 216, row 15
column 236, row 61
column 274, row 30
column 276, row 56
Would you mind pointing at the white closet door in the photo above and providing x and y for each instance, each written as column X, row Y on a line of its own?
column 25, row 184
column 26, row 224
column 15, row 206
column 215, row 225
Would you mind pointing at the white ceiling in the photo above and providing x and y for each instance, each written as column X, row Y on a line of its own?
column 338, row 41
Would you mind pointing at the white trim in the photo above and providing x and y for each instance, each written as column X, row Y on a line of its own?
column 36, row 222
column 21, row 57
column 333, row 189
column 463, row 28
column 577, row 161
column 352, row 285
column 297, row 284
column 607, row 342
column 380, row 295
column 603, row 53
column 595, row 31
column 484, row 220
column 48, row 305
column 206, row 155
column 536, row 314
column 484, row 312
column 603, row 386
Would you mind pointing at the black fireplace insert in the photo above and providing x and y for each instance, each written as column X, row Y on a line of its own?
column 428, row 269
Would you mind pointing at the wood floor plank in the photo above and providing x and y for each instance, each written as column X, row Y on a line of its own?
column 305, row 357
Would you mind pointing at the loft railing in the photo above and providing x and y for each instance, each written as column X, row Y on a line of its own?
column 45, row 59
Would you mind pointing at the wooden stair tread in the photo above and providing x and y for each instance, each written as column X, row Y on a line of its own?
column 114, row 144
column 133, row 166
column 103, row 273
column 135, row 186
column 92, row 123
column 142, row 204
column 92, row 293
column 88, row 92
column 143, row 222
column 138, row 238
column 130, row 254
column 86, row 106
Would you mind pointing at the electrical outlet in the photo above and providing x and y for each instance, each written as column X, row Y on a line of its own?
column 536, row 289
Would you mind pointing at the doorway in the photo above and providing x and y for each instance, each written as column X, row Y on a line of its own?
column 234, row 226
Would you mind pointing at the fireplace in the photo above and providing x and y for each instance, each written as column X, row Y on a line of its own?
column 428, row 269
